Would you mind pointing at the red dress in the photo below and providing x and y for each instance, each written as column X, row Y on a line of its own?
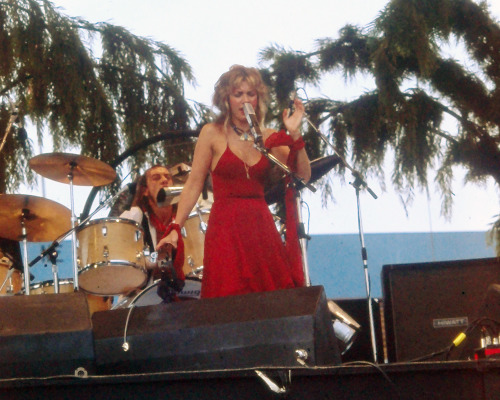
column 244, row 252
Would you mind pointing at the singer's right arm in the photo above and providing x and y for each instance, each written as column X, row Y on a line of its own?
column 202, row 159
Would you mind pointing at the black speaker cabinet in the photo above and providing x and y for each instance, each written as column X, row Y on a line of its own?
column 427, row 305
column 45, row 335
column 253, row 330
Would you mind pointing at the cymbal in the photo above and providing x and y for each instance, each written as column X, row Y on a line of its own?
column 87, row 171
column 319, row 168
column 45, row 220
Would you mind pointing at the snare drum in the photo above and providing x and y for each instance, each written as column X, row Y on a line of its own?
column 10, row 285
column 96, row 303
column 193, row 234
column 111, row 256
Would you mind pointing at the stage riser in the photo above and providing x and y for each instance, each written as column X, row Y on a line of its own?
column 44, row 335
column 261, row 329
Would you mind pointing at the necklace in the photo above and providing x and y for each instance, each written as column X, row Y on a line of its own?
column 245, row 136
column 246, row 169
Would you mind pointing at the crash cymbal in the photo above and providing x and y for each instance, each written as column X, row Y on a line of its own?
column 319, row 167
column 87, row 171
column 45, row 220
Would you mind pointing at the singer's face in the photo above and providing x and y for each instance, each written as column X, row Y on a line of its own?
column 157, row 178
column 239, row 96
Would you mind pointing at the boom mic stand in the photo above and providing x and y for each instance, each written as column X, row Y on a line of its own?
column 358, row 184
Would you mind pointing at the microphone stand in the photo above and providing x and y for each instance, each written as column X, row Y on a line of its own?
column 358, row 184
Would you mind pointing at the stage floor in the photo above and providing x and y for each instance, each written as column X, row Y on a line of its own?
column 430, row 380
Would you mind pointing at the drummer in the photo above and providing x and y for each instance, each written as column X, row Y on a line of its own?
column 155, row 222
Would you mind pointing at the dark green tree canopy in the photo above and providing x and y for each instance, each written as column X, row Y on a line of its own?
column 417, row 89
column 94, row 87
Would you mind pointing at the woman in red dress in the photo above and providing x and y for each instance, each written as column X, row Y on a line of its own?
column 244, row 251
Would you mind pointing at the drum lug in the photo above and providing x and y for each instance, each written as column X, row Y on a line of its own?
column 137, row 236
column 153, row 256
column 105, row 252
column 104, row 231
column 183, row 232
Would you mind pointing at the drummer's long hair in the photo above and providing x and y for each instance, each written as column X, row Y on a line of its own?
column 141, row 200
column 232, row 79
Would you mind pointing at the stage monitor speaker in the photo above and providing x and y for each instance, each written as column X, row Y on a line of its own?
column 45, row 335
column 253, row 330
column 362, row 349
column 427, row 305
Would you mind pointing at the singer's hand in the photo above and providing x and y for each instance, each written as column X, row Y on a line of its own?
column 166, row 244
column 293, row 122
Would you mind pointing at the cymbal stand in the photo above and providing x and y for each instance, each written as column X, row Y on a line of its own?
column 53, row 257
column 358, row 184
column 73, row 228
column 24, row 235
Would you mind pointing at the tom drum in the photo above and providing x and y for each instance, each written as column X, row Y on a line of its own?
column 111, row 256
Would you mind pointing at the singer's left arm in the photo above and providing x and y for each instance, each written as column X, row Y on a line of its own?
column 293, row 124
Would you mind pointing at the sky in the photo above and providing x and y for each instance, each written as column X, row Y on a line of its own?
column 213, row 35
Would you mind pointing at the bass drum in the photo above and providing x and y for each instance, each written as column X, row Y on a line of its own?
column 96, row 303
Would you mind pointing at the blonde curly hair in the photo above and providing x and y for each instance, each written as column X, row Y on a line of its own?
column 231, row 80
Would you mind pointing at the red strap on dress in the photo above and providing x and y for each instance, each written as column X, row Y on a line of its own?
column 292, row 245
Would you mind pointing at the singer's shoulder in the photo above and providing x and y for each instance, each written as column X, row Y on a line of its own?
column 210, row 128
column 210, row 131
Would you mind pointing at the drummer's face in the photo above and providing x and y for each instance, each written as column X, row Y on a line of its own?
column 156, row 179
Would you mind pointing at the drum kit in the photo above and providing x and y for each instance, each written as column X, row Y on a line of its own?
column 108, row 254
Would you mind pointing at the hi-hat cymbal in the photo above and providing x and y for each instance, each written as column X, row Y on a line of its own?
column 86, row 171
column 45, row 220
column 319, row 167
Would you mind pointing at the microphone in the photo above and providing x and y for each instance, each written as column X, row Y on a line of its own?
column 252, row 121
column 168, row 196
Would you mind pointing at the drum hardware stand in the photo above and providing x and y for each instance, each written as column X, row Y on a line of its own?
column 358, row 184
column 73, row 227
column 53, row 258
column 24, row 235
